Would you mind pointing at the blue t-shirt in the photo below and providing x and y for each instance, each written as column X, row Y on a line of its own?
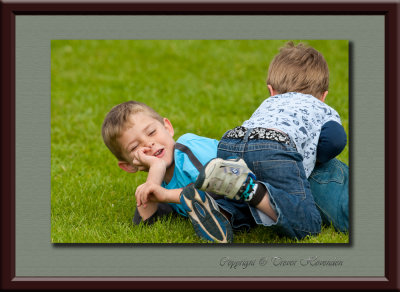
column 185, row 172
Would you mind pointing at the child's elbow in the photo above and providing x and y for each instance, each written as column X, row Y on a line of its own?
column 329, row 148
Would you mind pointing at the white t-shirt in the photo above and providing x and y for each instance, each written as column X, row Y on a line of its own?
column 301, row 116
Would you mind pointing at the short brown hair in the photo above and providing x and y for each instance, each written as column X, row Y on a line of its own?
column 299, row 69
column 117, row 120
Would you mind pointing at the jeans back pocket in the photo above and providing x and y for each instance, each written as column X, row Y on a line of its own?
column 281, row 174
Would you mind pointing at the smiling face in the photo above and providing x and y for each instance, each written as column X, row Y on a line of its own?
column 143, row 132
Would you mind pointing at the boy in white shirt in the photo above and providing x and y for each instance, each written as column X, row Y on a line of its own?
column 267, row 160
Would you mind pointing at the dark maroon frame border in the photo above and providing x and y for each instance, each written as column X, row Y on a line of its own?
column 390, row 10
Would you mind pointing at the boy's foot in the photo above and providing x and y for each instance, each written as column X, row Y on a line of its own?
column 208, row 222
column 231, row 178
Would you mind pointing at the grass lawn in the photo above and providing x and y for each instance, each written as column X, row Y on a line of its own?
column 202, row 87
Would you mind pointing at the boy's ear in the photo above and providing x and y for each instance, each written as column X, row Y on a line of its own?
column 127, row 167
column 168, row 126
column 323, row 96
column 272, row 91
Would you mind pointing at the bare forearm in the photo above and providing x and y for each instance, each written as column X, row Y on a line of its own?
column 146, row 212
column 156, row 174
column 173, row 196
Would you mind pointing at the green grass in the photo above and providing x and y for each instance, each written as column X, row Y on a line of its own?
column 203, row 87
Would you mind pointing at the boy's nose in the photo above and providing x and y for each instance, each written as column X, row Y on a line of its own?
column 150, row 144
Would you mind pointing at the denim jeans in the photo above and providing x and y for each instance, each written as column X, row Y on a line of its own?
column 280, row 168
column 330, row 187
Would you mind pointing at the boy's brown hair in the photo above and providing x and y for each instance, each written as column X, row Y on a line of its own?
column 299, row 69
column 118, row 119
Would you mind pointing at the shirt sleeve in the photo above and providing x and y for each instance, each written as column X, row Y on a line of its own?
column 331, row 142
column 185, row 172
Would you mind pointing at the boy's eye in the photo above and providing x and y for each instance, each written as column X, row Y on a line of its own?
column 152, row 132
column 133, row 148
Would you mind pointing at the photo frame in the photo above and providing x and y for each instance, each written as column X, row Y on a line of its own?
column 10, row 187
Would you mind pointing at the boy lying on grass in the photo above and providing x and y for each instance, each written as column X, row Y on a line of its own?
column 280, row 198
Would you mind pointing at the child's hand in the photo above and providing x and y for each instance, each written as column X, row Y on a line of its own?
column 144, row 162
column 150, row 192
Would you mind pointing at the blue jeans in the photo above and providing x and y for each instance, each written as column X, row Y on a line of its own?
column 280, row 168
column 330, row 187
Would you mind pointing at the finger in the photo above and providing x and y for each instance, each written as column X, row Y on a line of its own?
column 147, row 193
column 144, row 197
column 141, row 199
column 138, row 166
column 143, row 150
column 141, row 168
column 142, row 156
column 138, row 196
column 136, row 162
column 136, row 159
column 137, row 154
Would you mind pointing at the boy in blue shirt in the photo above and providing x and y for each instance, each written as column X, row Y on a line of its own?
column 142, row 140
